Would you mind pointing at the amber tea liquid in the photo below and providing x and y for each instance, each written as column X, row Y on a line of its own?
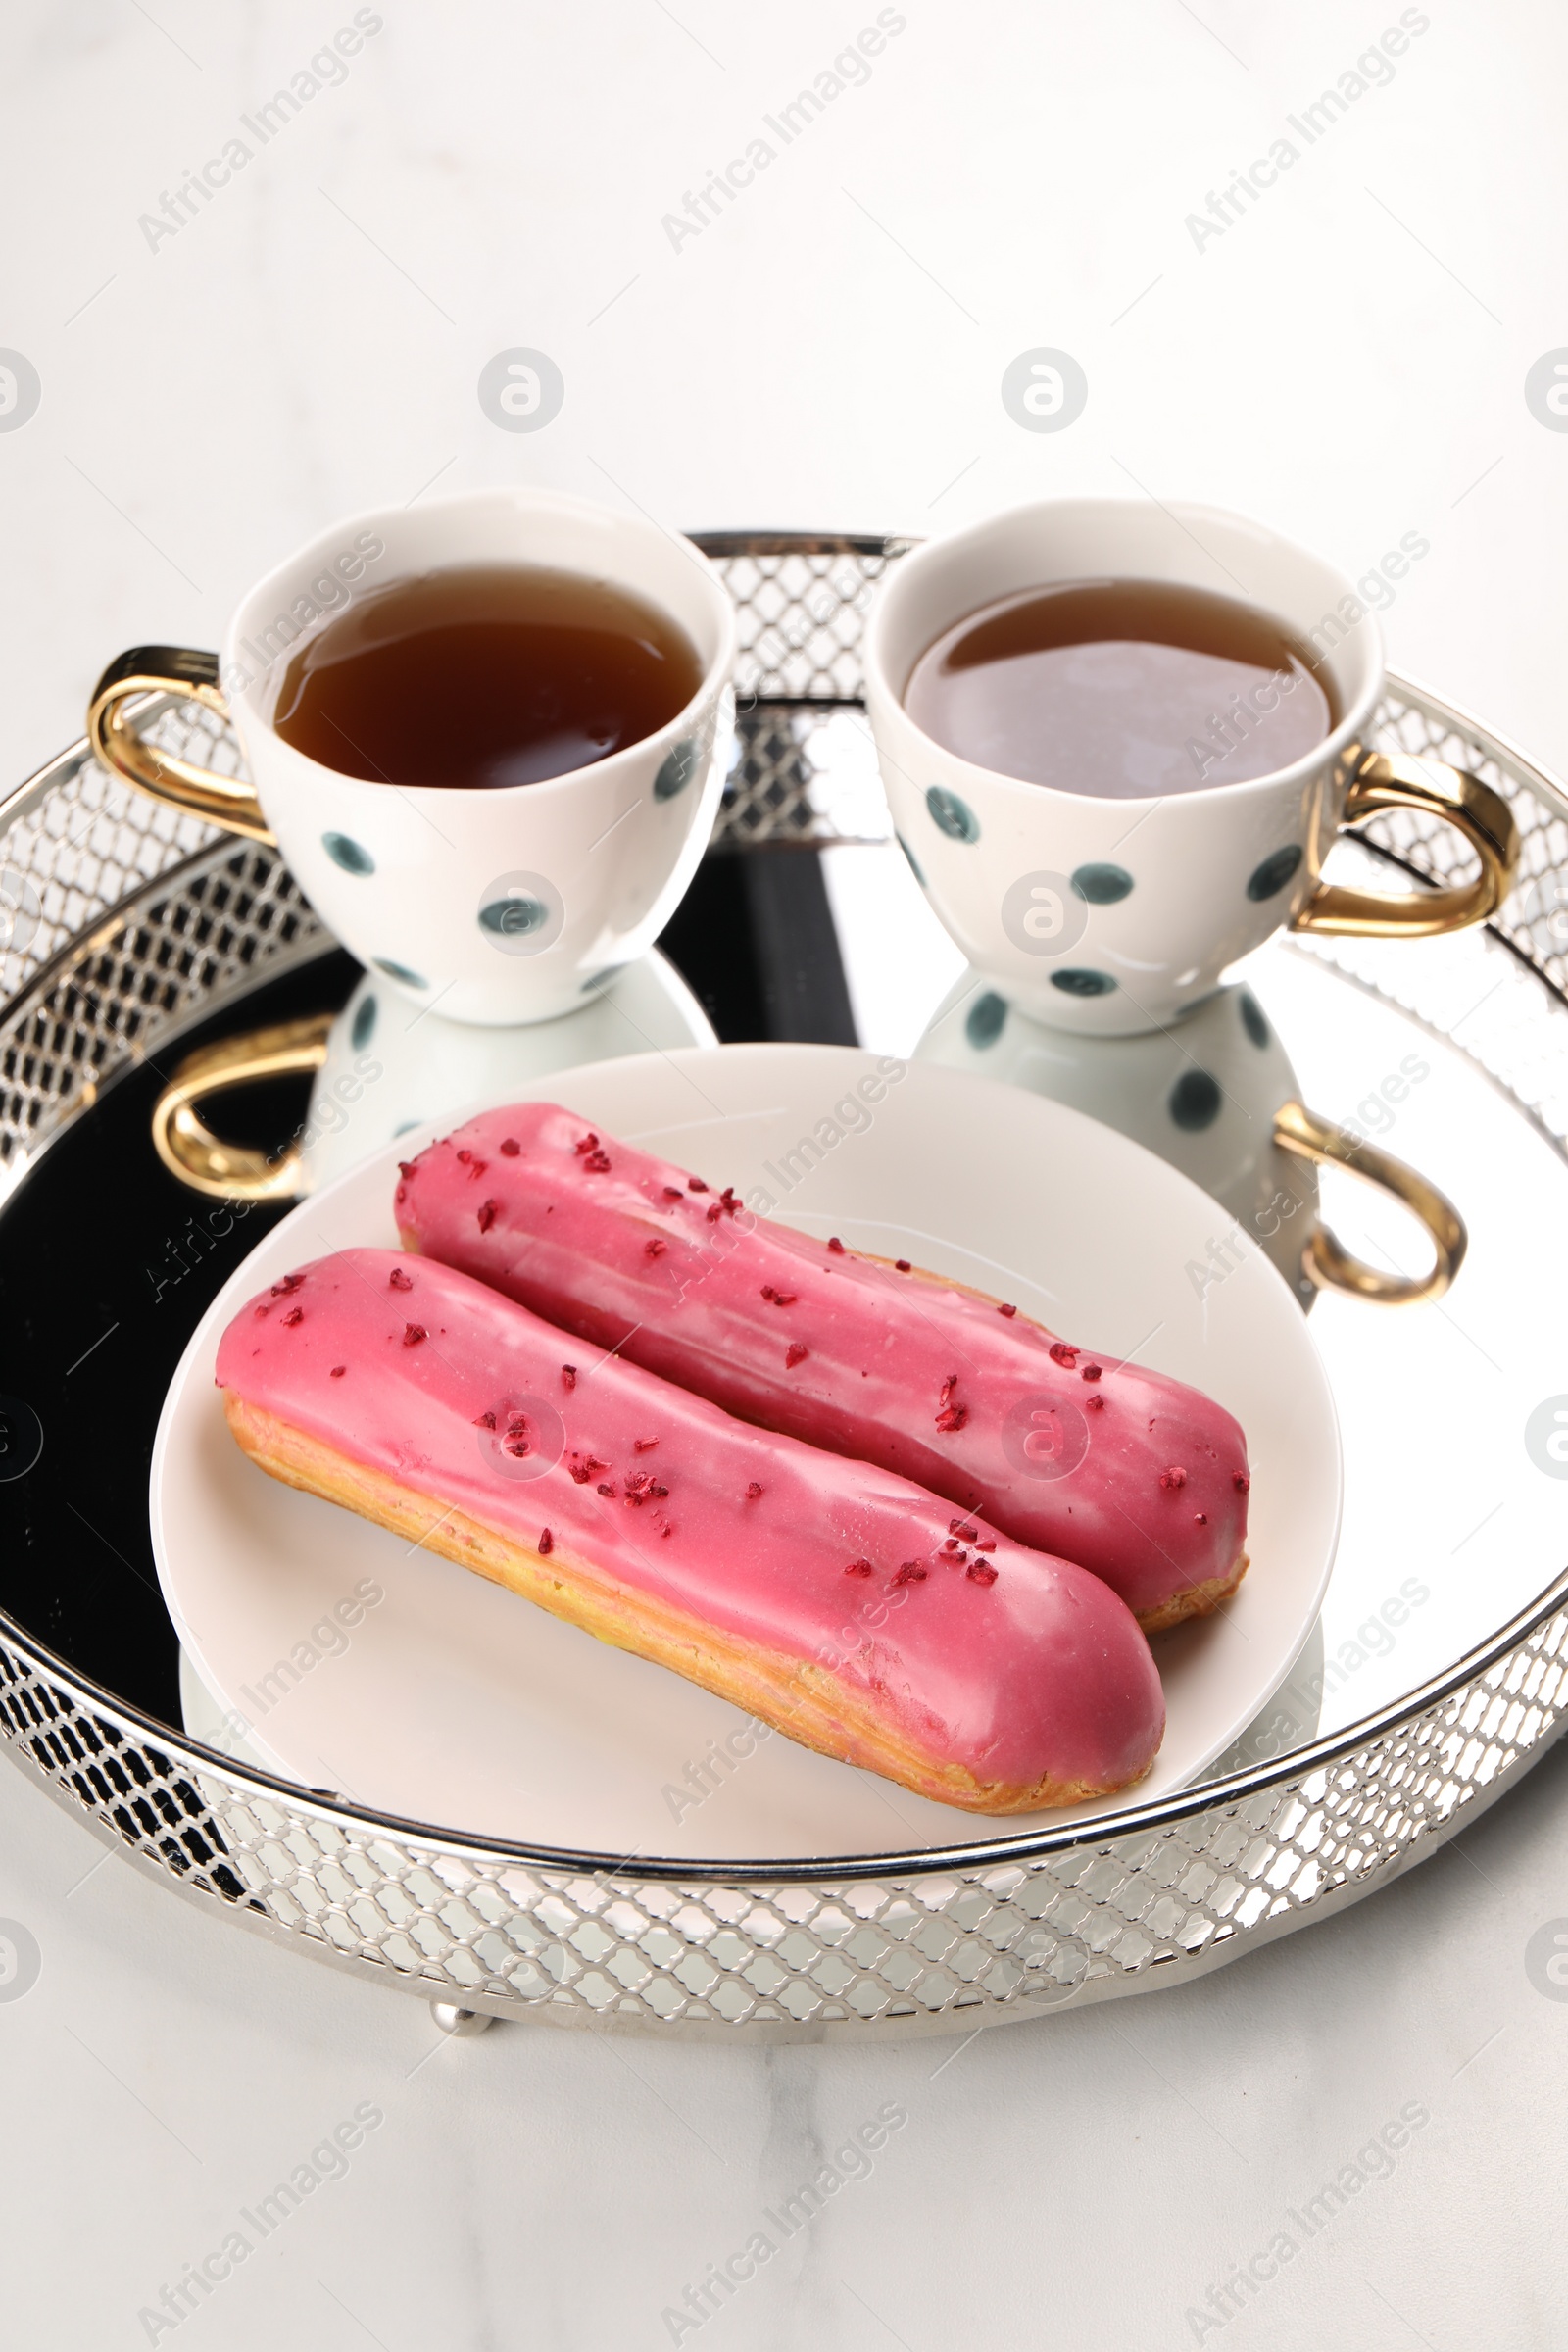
column 1122, row 690
column 485, row 676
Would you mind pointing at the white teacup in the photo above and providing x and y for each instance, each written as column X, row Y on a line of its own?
column 1113, row 917
column 499, row 905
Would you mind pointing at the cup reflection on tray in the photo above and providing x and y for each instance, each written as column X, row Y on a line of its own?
column 378, row 1071
column 1215, row 1094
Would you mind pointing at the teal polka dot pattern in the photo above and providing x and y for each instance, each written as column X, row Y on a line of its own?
column 399, row 972
column 914, row 862
column 513, row 918
column 1102, row 885
column 521, row 914
column 986, row 1018
column 348, row 853
column 1194, row 1101
column 1268, row 879
column 1252, row 1020
column 950, row 815
column 677, row 771
column 364, row 1028
column 1077, row 981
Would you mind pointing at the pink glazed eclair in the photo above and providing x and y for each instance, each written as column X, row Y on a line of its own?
column 833, row 1599
column 1134, row 1475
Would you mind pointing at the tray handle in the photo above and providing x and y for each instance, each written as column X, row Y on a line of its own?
column 1325, row 1260
column 191, row 1150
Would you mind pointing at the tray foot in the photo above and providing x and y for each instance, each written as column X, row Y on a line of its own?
column 460, row 2021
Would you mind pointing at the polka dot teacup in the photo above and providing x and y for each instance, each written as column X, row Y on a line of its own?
column 1113, row 917
column 499, row 904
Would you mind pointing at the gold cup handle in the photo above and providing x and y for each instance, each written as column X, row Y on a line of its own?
column 1325, row 1260
column 1389, row 780
column 195, row 791
column 190, row 1150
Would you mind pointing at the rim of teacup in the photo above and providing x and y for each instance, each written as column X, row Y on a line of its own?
column 241, row 684
column 894, row 589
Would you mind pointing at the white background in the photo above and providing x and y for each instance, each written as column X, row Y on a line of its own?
column 1347, row 362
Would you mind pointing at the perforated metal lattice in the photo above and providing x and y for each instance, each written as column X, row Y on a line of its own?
column 1516, row 1033
column 176, row 951
column 801, row 604
column 1008, row 1933
column 141, row 927
column 802, row 745
column 74, row 849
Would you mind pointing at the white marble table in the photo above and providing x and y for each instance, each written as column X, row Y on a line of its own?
column 1347, row 359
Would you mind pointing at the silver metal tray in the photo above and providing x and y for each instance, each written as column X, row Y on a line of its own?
column 121, row 926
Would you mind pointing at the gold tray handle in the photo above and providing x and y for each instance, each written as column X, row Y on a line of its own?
column 1389, row 780
column 188, row 1149
column 1325, row 1260
column 195, row 791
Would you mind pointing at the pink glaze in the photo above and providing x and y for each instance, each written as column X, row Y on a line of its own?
column 981, row 1406
column 1005, row 1662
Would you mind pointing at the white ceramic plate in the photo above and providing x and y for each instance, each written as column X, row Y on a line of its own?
column 455, row 1703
